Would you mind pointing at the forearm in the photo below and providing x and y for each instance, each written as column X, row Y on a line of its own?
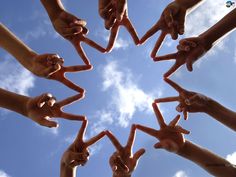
column 210, row 162
column 220, row 29
column 221, row 114
column 189, row 4
column 128, row 175
column 66, row 171
column 13, row 101
column 16, row 47
column 53, row 7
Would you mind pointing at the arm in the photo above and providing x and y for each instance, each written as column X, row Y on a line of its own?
column 66, row 171
column 13, row 101
column 210, row 162
column 188, row 4
column 16, row 47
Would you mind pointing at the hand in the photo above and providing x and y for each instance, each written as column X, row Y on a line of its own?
column 123, row 162
column 78, row 153
column 44, row 107
column 171, row 22
column 74, row 30
column 115, row 14
column 190, row 50
column 188, row 101
column 170, row 136
column 50, row 66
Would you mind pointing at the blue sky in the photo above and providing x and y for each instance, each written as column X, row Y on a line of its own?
column 120, row 90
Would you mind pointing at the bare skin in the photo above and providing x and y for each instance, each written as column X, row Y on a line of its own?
column 49, row 66
column 78, row 153
column 193, row 48
column 40, row 109
column 123, row 162
column 115, row 14
column 171, row 138
column 171, row 22
column 191, row 102
column 70, row 27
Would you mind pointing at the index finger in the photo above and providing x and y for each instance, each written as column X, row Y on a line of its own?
column 128, row 25
column 81, row 53
column 174, row 85
column 114, row 141
column 70, row 100
column 113, row 35
column 159, row 116
column 150, row 32
column 131, row 138
column 94, row 45
column 82, row 131
column 71, row 85
column 158, row 44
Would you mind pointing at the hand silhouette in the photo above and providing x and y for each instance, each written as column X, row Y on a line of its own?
column 44, row 107
column 123, row 162
column 78, row 152
column 170, row 136
column 171, row 22
column 115, row 14
column 50, row 66
column 74, row 30
column 188, row 101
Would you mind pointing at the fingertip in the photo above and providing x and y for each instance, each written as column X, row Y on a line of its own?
column 189, row 66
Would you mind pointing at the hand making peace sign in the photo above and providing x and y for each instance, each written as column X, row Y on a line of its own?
column 123, row 162
column 115, row 14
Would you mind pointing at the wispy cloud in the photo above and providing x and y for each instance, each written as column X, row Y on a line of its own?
column 4, row 174
column 231, row 158
column 120, row 43
column 14, row 77
column 126, row 98
column 180, row 173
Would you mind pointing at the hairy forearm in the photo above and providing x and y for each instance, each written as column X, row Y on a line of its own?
column 13, row 101
column 53, row 8
column 220, row 29
column 16, row 47
column 221, row 114
column 66, row 171
column 210, row 162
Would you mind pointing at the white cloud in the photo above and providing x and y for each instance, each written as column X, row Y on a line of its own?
column 4, row 174
column 14, row 77
column 180, row 173
column 232, row 158
column 120, row 43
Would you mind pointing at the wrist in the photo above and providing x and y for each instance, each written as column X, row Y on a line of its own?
column 206, row 40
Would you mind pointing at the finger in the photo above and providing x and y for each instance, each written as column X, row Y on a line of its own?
column 81, row 53
column 72, row 31
column 131, row 138
column 113, row 36
column 78, row 68
column 167, row 99
column 183, row 48
column 175, row 121
column 110, row 22
column 174, row 31
column 179, row 108
column 104, row 10
column 186, row 42
column 182, row 130
column 94, row 45
column 165, row 57
column 51, row 101
column 128, row 25
column 81, row 132
column 174, row 68
column 47, row 72
column 54, row 59
column 119, row 163
column 181, row 21
column 69, row 116
column 114, row 141
column 174, row 85
column 192, row 57
column 120, row 11
column 72, row 20
column 159, row 116
column 139, row 153
column 95, row 139
column 158, row 44
column 70, row 100
column 185, row 112
column 71, row 85
column 168, row 16
column 158, row 145
column 48, row 123
column 43, row 99
column 147, row 130
column 150, row 32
